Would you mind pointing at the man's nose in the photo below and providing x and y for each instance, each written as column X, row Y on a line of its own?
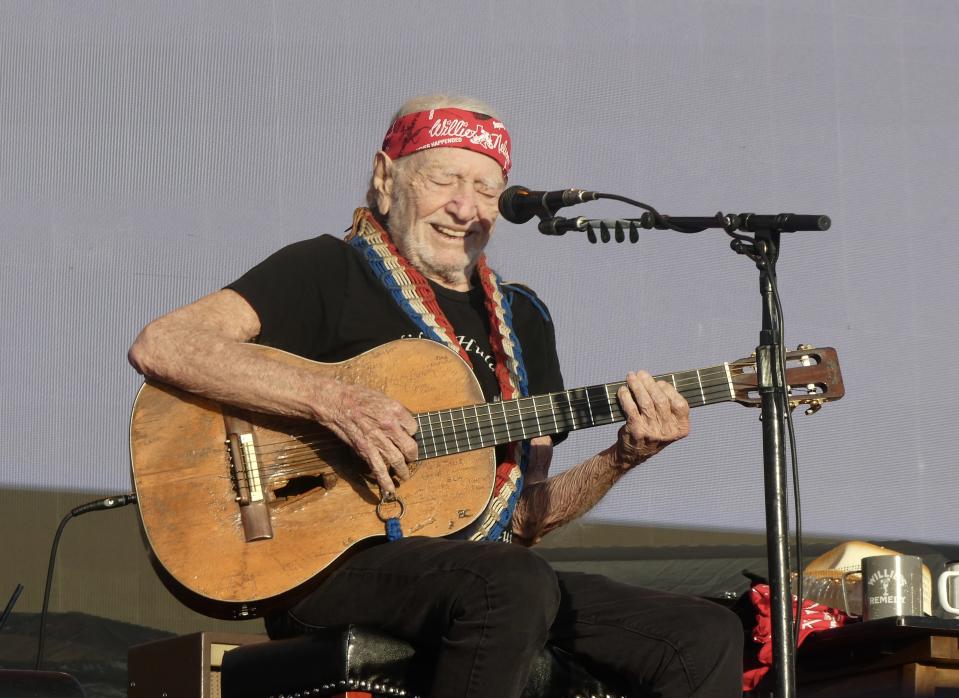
column 464, row 203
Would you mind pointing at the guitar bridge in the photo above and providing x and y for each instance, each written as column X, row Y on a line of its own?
column 246, row 476
column 245, row 468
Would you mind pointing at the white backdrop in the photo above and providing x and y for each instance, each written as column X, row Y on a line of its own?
column 150, row 153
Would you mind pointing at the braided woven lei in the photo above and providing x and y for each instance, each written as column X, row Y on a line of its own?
column 413, row 293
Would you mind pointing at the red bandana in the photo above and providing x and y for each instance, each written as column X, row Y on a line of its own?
column 449, row 128
column 815, row 617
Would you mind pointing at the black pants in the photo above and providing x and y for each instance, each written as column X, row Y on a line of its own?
column 488, row 608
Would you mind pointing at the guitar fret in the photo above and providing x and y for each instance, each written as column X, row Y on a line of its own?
column 686, row 391
column 429, row 419
column 539, row 427
column 456, row 440
column 567, row 418
column 602, row 414
column 428, row 434
column 589, row 407
column 519, row 417
column 479, row 427
column 466, row 429
column 527, row 409
column 569, row 421
column 583, row 416
column 574, row 408
column 419, row 438
column 497, row 424
column 446, row 448
column 502, row 406
column 433, row 440
column 579, row 415
column 437, row 430
column 552, row 412
column 699, row 379
column 615, row 411
column 729, row 381
column 492, row 424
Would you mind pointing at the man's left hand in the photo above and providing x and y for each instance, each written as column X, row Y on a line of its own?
column 656, row 416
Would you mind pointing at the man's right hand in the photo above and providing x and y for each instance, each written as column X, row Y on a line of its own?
column 378, row 428
column 202, row 348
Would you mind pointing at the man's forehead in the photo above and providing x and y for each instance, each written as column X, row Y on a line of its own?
column 459, row 162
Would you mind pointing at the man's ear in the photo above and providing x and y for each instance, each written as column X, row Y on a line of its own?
column 383, row 181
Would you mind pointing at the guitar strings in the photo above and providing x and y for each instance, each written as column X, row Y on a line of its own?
column 460, row 438
column 681, row 385
column 456, row 431
column 305, row 459
column 514, row 408
column 453, row 426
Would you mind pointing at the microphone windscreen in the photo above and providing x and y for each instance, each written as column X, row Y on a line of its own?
column 510, row 204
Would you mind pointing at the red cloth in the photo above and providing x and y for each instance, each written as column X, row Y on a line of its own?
column 449, row 128
column 815, row 617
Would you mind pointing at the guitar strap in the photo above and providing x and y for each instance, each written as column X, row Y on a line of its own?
column 413, row 293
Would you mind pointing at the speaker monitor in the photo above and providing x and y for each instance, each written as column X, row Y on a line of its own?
column 187, row 666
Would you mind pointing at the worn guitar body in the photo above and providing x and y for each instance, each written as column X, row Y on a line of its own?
column 315, row 501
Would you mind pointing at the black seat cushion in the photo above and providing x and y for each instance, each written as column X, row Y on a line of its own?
column 355, row 658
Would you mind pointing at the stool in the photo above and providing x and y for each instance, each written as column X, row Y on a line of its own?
column 359, row 662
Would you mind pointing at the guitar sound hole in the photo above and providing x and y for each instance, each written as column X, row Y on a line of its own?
column 305, row 483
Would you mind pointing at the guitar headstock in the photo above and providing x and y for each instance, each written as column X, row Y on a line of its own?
column 812, row 374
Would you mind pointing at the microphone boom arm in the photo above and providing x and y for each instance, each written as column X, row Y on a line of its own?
column 620, row 227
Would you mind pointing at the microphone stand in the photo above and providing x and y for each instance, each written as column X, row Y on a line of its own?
column 763, row 249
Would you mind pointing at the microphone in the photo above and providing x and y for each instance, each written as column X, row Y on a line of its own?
column 519, row 204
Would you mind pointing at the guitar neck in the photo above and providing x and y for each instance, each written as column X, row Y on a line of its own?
column 471, row 427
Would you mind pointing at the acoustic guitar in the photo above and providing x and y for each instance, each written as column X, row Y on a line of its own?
column 242, row 511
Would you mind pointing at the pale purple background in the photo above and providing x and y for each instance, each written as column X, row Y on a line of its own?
column 151, row 152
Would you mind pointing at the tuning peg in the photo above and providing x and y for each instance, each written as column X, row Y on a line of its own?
column 814, row 407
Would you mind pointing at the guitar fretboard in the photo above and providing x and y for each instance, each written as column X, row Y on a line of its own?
column 467, row 428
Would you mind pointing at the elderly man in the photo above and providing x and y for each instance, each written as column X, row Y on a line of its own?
column 413, row 265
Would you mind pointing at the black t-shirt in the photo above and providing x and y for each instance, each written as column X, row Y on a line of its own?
column 319, row 299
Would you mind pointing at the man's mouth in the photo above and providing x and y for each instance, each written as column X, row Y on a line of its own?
column 450, row 232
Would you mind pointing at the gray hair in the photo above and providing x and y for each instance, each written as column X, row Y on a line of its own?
column 423, row 103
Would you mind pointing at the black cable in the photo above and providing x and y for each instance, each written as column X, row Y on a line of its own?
column 658, row 218
column 793, row 453
column 665, row 222
column 632, row 202
column 794, row 461
column 46, row 591
column 10, row 604
column 96, row 505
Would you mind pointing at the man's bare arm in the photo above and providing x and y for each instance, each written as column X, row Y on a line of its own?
column 656, row 416
column 203, row 348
